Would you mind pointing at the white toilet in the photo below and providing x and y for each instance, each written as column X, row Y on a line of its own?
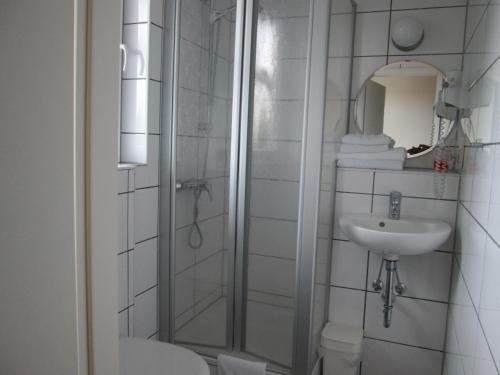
column 147, row 357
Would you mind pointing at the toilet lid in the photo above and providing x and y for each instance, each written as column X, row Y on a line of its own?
column 147, row 357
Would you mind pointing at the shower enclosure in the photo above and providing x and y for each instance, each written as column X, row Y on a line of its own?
column 244, row 265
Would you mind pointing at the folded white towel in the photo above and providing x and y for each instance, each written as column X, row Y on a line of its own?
column 371, row 164
column 367, row 139
column 398, row 153
column 228, row 365
column 350, row 148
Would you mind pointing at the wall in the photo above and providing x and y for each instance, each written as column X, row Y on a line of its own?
column 138, row 195
column 42, row 317
column 415, row 341
column 473, row 334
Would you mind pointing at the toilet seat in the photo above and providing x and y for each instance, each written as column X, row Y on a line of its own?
column 147, row 357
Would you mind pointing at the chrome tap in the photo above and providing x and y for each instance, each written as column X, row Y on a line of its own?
column 394, row 205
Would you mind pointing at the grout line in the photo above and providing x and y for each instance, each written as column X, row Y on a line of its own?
column 415, row 298
column 146, row 290
column 153, row 334
column 147, row 187
column 400, row 343
column 147, row 239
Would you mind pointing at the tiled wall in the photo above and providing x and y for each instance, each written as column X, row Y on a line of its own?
column 473, row 330
column 414, row 343
column 139, row 193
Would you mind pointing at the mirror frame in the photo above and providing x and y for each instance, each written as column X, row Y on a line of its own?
column 355, row 105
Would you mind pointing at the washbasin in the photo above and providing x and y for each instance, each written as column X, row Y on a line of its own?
column 393, row 238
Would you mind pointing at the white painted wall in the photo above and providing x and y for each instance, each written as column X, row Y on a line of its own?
column 42, row 330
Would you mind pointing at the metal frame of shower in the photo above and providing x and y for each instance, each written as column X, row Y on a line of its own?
column 311, row 155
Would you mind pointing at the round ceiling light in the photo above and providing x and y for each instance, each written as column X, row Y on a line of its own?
column 407, row 34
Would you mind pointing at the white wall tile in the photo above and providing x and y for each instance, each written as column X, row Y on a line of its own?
column 346, row 203
column 382, row 358
column 131, row 218
column 354, row 181
column 349, row 265
column 426, row 276
column 422, row 208
column 414, row 322
column 493, row 223
column 184, row 291
column 274, row 199
column 470, row 248
column 276, row 238
column 346, row 306
column 272, row 275
column 122, row 222
column 489, row 311
column 145, row 265
column 419, row 185
column 481, row 185
column 122, row 281
column 341, row 6
column 285, row 87
column 372, row 5
column 148, row 175
column 123, row 324
column 340, row 43
column 157, row 12
column 122, row 180
column 372, row 31
column 154, row 107
column 155, row 50
column 337, row 87
column 276, row 160
column 440, row 37
column 335, row 120
column 291, row 35
column 145, row 314
column 146, row 214
column 208, row 276
column 280, row 120
column 215, row 156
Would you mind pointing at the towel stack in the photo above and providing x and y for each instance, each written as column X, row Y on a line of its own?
column 370, row 151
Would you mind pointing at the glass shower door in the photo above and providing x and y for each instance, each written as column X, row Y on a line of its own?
column 275, row 128
column 202, row 141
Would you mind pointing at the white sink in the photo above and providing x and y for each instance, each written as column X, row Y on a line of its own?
column 392, row 238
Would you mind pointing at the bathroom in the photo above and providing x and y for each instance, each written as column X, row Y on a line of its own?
column 233, row 164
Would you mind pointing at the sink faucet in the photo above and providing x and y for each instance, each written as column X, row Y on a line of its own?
column 394, row 205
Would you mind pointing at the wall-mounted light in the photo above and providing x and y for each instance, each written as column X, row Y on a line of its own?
column 407, row 33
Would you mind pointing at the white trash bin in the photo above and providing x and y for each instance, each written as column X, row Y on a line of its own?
column 341, row 347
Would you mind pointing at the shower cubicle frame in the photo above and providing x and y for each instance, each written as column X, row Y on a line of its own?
column 304, row 358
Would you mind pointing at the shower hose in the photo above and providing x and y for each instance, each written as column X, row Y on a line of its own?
column 195, row 236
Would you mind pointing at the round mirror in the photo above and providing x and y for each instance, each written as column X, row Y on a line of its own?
column 399, row 100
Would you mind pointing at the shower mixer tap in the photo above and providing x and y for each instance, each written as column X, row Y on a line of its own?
column 196, row 185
